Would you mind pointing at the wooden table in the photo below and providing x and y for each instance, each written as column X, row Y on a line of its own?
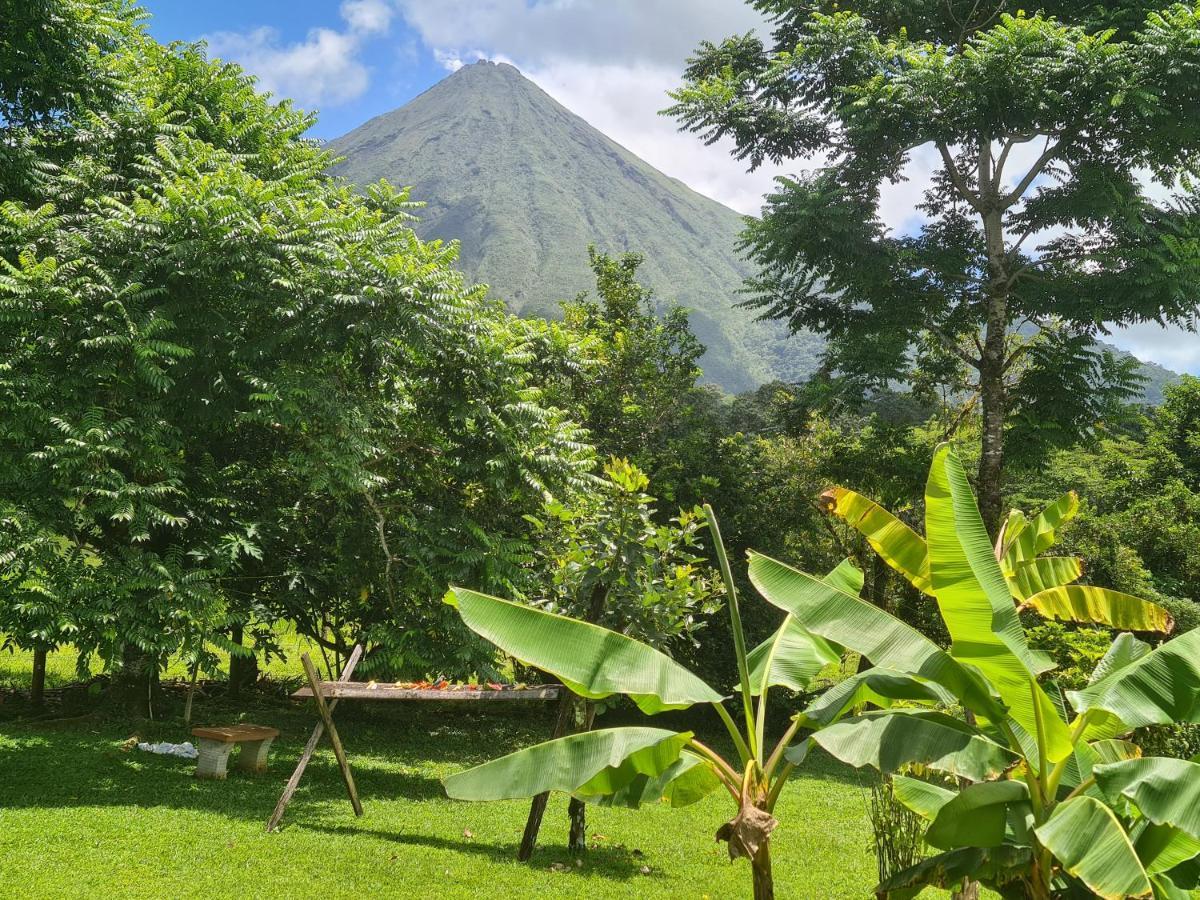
column 326, row 695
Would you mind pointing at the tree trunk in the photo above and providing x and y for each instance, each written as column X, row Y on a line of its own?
column 992, row 393
column 37, row 685
column 760, row 867
column 191, row 694
column 136, row 683
column 562, row 726
column 243, row 670
column 577, row 809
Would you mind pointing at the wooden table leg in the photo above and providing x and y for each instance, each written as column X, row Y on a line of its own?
column 294, row 782
column 314, row 681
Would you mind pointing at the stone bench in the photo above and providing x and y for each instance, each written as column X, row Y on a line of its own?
column 217, row 742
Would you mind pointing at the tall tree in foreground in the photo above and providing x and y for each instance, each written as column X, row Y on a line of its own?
column 1043, row 130
column 240, row 388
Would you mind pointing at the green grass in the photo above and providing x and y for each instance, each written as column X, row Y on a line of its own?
column 80, row 817
column 62, row 664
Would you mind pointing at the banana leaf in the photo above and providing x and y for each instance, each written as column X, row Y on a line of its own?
column 1125, row 650
column 1163, row 847
column 1166, row 791
column 793, row 656
column 1158, row 688
column 922, row 797
column 854, row 623
column 1039, row 535
column 591, row 764
column 1085, row 836
column 591, row 661
column 1032, row 576
column 688, row 780
column 977, row 606
column 899, row 546
column 890, row 740
column 995, row 867
column 882, row 687
column 982, row 815
column 1095, row 605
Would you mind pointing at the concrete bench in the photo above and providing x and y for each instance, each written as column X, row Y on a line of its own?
column 217, row 742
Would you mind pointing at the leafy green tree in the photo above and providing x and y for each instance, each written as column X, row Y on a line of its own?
column 633, row 373
column 1043, row 125
column 251, row 390
column 607, row 560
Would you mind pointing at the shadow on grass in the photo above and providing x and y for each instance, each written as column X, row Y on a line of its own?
column 611, row 862
column 395, row 752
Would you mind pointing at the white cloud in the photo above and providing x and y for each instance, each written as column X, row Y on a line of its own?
column 601, row 31
column 323, row 69
column 367, row 16
column 1173, row 347
column 613, row 62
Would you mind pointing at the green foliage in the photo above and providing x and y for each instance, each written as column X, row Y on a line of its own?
column 1034, row 215
column 608, row 561
column 1139, row 523
column 1056, row 821
column 1075, row 651
column 251, row 392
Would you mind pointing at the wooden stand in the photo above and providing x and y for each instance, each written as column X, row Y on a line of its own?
column 326, row 694
column 294, row 782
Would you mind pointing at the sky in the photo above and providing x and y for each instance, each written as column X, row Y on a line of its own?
column 610, row 61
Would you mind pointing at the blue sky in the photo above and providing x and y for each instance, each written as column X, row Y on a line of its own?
column 610, row 61
column 398, row 64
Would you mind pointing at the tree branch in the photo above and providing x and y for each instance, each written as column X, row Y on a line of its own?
column 1034, row 171
column 1013, row 140
column 946, row 341
column 1054, row 257
column 956, row 177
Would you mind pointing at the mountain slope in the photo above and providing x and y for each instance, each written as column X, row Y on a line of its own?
column 526, row 185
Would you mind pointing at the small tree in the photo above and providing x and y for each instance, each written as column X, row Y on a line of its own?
column 1042, row 126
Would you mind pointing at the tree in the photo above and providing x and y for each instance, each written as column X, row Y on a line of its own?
column 632, row 374
column 1041, row 129
column 250, row 390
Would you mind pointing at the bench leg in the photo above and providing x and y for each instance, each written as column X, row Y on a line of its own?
column 252, row 757
column 212, row 760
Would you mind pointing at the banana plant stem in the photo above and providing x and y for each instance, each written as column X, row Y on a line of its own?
column 777, row 787
column 729, row 778
column 738, row 741
column 781, row 748
column 739, row 636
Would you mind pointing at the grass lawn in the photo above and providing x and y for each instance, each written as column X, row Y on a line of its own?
column 81, row 817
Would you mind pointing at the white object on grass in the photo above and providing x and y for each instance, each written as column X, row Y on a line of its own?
column 164, row 748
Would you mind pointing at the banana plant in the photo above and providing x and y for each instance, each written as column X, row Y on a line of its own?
column 1042, row 795
column 635, row 765
column 1045, row 584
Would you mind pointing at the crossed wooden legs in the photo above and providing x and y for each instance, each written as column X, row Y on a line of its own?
column 325, row 710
